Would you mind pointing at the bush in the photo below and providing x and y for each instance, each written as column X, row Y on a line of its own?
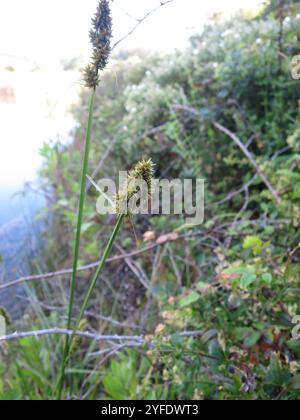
column 235, row 279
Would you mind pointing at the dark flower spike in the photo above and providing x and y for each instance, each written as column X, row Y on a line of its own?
column 100, row 37
column 91, row 76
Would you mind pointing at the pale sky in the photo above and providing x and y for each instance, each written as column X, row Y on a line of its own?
column 46, row 31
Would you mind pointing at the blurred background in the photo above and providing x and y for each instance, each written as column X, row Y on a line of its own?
column 43, row 46
column 41, row 55
column 205, row 89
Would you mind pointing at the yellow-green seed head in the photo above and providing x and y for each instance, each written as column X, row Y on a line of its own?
column 144, row 170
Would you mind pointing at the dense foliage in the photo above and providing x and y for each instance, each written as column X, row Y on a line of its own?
column 236, row 277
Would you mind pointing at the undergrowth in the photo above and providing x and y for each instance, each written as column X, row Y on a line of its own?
column 235, row 279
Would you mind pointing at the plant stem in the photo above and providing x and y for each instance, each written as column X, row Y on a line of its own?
column 77, row 239
column 100, row 267
column 92, row 287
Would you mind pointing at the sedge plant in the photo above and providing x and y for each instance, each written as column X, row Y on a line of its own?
column 100, row 37
column 144, row 171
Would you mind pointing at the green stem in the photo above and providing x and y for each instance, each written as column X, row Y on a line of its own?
column 92, row 287
column 106, row 255
column 77, row 239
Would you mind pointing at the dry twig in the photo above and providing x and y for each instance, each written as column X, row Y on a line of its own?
column 140, row 21
column 139, row 339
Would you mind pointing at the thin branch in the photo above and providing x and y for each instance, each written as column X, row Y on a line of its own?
column 109, row 352
column 136, row 269
column 140, row 21
column 91, row 266
column 90, row 336
column 112, row 321
column 87, row 313
column 246, row 186
column 249, row 156
column 61, row 331
column 240, row 144
column 68, row 271
column 137, row 253
column 115, row 349
column 233, row 194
